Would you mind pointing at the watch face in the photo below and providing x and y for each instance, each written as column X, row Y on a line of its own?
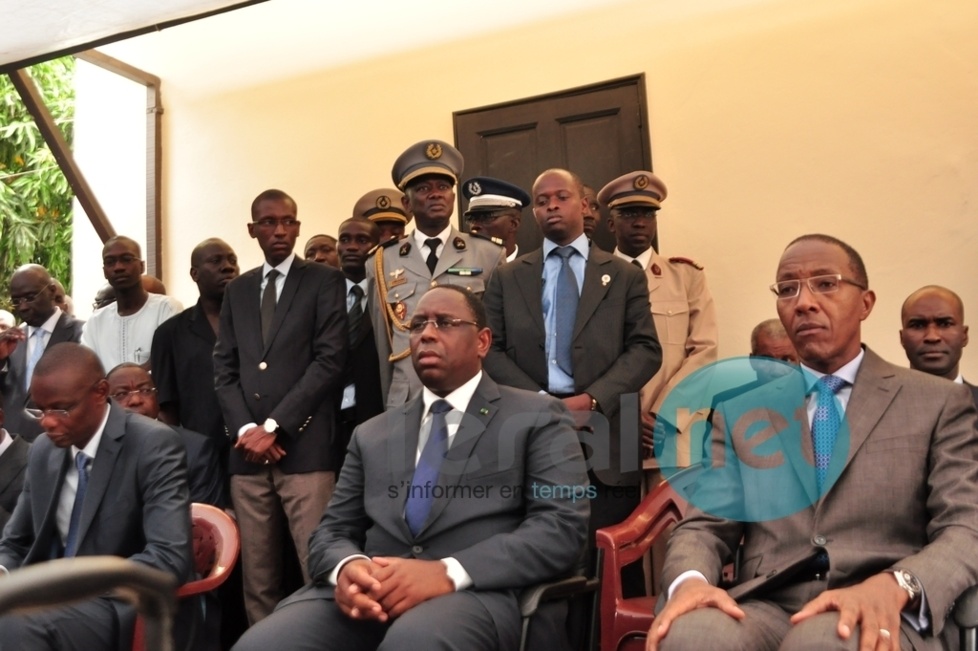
column 912, row 581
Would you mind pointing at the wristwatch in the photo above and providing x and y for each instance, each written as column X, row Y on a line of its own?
column 910, row 584
column 270, row 425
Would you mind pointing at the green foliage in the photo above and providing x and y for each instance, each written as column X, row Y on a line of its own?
column 35, row 198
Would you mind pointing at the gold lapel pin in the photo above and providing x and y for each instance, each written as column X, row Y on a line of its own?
column 605, row 279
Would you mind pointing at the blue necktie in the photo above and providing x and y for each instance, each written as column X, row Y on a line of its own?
column 39, row 336
column 825, row 426
column 425, row 478
column 71, row 542
column 567, row 297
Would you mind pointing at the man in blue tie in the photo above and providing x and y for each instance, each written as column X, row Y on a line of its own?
column 867, row 534
column 102, row 482
column 445, row 508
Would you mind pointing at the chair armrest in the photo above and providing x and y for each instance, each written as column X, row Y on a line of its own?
column 531, row 598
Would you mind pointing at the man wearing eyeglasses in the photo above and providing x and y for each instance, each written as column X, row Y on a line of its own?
column 869, row 532
column 123, row 331
column 103, row 482
column 495, row 211
column 131, row 387
column 445, row 509
column 32, row 293
column 278, row 366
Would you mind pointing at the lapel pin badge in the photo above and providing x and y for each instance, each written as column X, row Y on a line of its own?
column 605, row 279
column 484, row 411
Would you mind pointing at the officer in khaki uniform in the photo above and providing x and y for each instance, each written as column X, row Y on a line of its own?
column 682, row 306
column 434, row 253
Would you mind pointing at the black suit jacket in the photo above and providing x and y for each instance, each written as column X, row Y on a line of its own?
column 363, row 371
column 293, row 378
column 615, row 352
column 15, row 396
column 13, row 468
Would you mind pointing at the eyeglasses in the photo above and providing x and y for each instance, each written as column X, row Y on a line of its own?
column 26, row 298
column 112, row 260
column 788, row 289
column 124, row 396
column 270, row 224
column 417, row 326
column 38, row 414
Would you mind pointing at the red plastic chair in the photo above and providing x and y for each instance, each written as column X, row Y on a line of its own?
column 216, row 546
column 626, row 622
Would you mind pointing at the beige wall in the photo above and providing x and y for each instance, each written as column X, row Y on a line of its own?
column 769, row 120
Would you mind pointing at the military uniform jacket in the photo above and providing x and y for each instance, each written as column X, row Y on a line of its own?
column 399, row 277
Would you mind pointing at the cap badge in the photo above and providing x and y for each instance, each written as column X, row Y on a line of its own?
column 605, row 279
column 475, row 188
column 641, row 182
column 383, row 202
column 459, row 244
column 433, row 151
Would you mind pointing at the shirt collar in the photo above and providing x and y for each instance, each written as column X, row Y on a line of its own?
column 92, row 447
column 847, row 372
column 419, row 237
column 282, row 267
column 643, row 259
column 47, row 326
column 959, row 379
column 362, row 284
column 580, row 245
column 459, row 398
column 6, row 441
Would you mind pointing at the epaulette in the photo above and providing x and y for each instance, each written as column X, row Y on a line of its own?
column 495, row 240
column 686, row 261
column 383, row 245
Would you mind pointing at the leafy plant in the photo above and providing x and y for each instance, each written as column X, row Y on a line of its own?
column 35, row 198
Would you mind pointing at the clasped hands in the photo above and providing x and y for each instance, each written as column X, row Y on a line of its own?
column 259, row 446
column 874, row 605
column 383, row 588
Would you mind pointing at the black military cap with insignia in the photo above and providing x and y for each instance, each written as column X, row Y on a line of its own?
column 427, row 157
column 486, row 194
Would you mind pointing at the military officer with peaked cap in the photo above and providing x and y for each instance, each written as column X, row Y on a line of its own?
column 495, row 209
column 384, row 208
column 434, row 253
column 682, row 306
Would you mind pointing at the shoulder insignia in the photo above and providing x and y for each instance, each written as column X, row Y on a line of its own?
column 686, row 261
column 459, row 244
column 405, row 248
column 483, row 236
column 655, row 270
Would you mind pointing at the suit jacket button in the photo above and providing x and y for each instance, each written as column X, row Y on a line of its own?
column 417, row 549
column 262, row 366
column 434, row 283
column 819, row 540
column 257, row 396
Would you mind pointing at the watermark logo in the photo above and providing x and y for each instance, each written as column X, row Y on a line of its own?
column 743, row 428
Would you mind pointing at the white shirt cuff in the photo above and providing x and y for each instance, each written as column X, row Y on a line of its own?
column 339, row 566
column 245, row 428
column 457, row 574
column 688, row 574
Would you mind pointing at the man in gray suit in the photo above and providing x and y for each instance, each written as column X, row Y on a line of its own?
column 32, row 292
column 445, row 509
column 613, row 348
column 102, row 482
column 870, row 532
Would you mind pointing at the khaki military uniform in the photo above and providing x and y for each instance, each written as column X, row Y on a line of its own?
column 399, row 277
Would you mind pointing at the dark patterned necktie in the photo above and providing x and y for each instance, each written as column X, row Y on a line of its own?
column 269, row 298
column 355, row 315
column 421, row 497
column 432, row 244
column 71, row 542
column 567, row 298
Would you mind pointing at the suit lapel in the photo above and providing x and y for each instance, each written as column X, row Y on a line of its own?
column 530, row 274
column 599, row 274
column 875, row 388
column 62, row 331
column 402, row 453
column 102, row 467
column 18, row 360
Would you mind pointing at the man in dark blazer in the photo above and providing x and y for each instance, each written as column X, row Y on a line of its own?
column 934, row 333
column 32, row 292
column 506, row 511
column 615, row 350
column 362, row 398
column 102, row 482
column 278, row 365
column 862, row 537
column 13, row 468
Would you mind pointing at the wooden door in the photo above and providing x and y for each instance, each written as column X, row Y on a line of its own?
column 598, row 131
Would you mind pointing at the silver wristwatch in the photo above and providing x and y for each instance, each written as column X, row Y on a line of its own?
column 909, row 583
column 270, row 425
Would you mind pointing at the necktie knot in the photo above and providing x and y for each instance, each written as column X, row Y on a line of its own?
column 272, row 275
column 637, row 263
column 357, row 292
column 565, row 252
column 830, row 384
column 81, row 462
column 433, row 243
column 440, row 407
column 432, row 261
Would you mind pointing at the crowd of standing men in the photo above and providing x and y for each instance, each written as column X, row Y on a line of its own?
column 269, row 376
